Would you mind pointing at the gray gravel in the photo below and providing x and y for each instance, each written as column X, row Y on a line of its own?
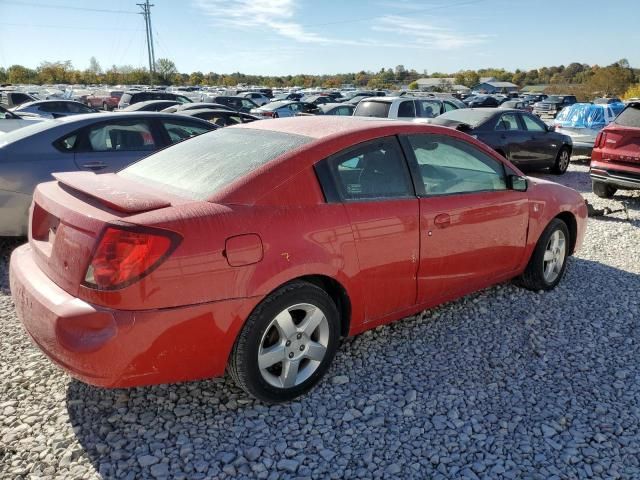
column 504, row 383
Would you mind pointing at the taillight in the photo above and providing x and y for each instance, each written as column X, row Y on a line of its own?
column 596, row 144
column 124, row 255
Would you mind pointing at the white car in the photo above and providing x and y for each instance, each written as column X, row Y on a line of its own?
column 10, row 121
column 406, row 108
column 257, row 97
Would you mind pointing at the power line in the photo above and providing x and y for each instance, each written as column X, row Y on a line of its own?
column 146, row 12
column 67, row 27
column 69, row 7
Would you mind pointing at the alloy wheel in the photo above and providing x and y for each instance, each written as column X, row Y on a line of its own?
column 554, row 256
column 293, row 345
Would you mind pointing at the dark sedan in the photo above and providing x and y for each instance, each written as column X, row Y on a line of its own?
column 482, row 101
column 220, row 117
column 150, row 106
column 517, row 135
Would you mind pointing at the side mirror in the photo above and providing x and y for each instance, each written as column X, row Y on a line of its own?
column 551, row 128
column 517, row 183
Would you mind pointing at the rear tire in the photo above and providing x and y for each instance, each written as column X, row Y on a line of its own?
column 562, row 161
column 549, row 260
column 602, row 189
column 287, row 344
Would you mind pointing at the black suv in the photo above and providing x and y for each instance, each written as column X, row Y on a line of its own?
column 131, row 97
column 552, row 105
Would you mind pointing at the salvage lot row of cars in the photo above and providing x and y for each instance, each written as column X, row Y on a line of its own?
column 252, row 249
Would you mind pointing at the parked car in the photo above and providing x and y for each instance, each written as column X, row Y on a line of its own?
column 100, row 142
column 196, row 106
column 552, row 105
column 220, row 117
column 254, row 248
column 106, row 100
column 285, row 108
column 151, row 106
column 335, row 109
column 287, row 96
column 615, row 160
column 518, row 136
column 10, row 121
column 10, row 99
column 482, row 101
column 134, row 96
column 614, row 103
column 256, row 97
column 516, row 104
column 318, row 99
column 53, row 108
column 405, row 107
column 239, row 104
column 582, row 122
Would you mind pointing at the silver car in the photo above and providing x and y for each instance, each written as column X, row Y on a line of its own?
column 99, row 142
column 54, row 108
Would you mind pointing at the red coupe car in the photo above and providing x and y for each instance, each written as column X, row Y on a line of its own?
column 255, row 248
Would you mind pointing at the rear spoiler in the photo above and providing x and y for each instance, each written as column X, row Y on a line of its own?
column 113, row 191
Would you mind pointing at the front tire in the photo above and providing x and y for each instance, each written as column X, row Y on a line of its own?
column 603, row 190
column 562, row 161
column 287, row 344
column 549, row 260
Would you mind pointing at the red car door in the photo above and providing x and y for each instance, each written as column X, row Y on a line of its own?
column 373, row 182
column 473, row 228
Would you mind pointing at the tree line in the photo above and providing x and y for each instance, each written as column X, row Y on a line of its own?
column 580, row 78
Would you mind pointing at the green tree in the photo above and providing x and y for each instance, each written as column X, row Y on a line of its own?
column 166, row 70
column 413, row 86
column 94, row 66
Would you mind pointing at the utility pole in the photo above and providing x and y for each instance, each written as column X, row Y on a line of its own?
column 146, row 13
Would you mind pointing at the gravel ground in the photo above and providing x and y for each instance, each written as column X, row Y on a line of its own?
column 504, row 383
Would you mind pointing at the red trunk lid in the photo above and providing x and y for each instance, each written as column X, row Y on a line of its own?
column 620, row 144
column 68, row 216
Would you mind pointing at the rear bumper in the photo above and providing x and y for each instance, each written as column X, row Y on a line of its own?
column 117, row 348
column 627, row 178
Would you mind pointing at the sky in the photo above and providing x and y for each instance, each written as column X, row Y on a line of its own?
column 281, row 37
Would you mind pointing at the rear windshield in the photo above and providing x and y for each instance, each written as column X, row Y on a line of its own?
column 468, row 116
column 554, row 98
column 373, row 109
column 630, row 117
column 200, row 166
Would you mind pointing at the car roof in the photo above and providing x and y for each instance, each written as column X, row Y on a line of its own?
column 323, row 126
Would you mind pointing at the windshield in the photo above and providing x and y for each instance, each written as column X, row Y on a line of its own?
column 205, row 164
column 470, row 117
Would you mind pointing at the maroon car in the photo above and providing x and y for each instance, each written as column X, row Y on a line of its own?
column 615, row 160
column 105, row 99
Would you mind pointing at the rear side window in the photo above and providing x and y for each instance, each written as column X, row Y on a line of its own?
column 126, row 135
column 205, row 164
column 372, row 171
column 407, row 109
column 373, row 109
column 629, row 117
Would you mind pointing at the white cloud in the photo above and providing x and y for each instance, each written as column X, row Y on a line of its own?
column 275, row 15
column 426, row 35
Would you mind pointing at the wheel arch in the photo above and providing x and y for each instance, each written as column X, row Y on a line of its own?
column 570, row 221
column 335, row 290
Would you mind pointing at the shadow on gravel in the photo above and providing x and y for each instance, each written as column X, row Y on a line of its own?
column 524, row 380
column 7, row 245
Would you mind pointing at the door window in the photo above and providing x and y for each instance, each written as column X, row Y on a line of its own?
column 374, row 170
column 533, row 124
column 427, row 108
column 179, row 130
column 448, row 106
column 124, row 135
column 508, row 121
column 449, row 166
